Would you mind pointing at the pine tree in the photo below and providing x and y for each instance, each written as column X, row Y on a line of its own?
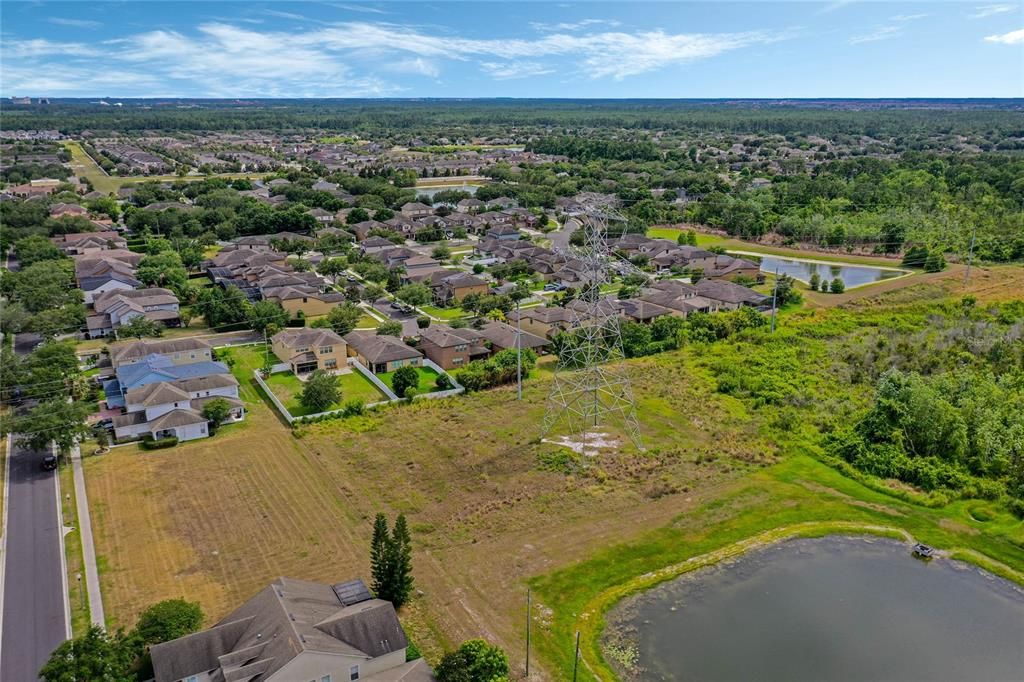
column 380, row 558
column 401, row 562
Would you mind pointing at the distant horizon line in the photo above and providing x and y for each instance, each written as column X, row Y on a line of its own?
column 524, row 99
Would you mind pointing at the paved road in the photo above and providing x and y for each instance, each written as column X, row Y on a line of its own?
column 34, row 616
column 560, row 237
column 408, row 320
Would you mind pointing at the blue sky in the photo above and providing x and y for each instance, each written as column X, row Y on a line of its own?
column 504, row 49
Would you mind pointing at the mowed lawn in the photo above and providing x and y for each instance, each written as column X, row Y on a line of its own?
column 354, row 386
column 428, row 379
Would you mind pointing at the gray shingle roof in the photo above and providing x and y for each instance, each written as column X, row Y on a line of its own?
column 282, row 621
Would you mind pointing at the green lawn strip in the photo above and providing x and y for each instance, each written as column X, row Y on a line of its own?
column 428, row 377
column 80, row 614
column 367, row 322
column 800, row 496
column 443, row 313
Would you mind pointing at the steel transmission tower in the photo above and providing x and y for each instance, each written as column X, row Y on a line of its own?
column 591, row 386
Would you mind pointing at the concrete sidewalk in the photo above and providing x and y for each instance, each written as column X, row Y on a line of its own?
column 92, row 576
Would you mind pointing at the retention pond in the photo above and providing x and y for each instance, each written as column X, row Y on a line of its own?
column 833, row 608
column 852, row 275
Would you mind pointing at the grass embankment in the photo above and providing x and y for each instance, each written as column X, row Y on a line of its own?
column 798, row 497
column 79, row 599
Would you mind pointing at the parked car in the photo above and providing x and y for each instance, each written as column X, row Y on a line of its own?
column 49, row 463
column 396, row 305
column 351, row 278
column 104, row 424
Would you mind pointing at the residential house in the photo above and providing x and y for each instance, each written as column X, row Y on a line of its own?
column 97, row 275
column 502, row 232
column 362, row 229
column 380, row 352
column 321, row 216
column 310, row 301
column 544, row 321
column 503, row 203
column 372, row 245
column 415, row 209
column 638, row 310
column 115, row 308
column 296, row 631
column 175, row 407
column 306, row 350
column 731, row 296
column 257, row 242
column 451, row 348
column 451, row 286
column 178, row 351
column 501, row 336
column 82, row 243
column 470, row 205
column 60, row 209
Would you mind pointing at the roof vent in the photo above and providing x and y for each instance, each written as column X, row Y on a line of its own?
column 259, row 636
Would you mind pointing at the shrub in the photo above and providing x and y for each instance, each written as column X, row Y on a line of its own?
column 353, row 408
column 404, row 378
column 443, row 383
column 160, row 443
column 474, row 661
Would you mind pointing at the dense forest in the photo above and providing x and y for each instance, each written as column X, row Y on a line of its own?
column 383, row 116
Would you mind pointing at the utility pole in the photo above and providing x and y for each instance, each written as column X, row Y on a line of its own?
column 528, row 610
column 576, row 658
column 970, row 255
column 775, row 296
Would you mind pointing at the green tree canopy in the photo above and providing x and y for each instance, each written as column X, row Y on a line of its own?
column 320, row 391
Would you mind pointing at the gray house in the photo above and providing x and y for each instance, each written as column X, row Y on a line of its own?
column 296, row 631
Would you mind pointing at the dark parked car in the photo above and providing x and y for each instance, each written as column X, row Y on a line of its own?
column 49, row 463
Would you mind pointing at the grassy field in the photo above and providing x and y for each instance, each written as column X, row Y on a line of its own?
column 492, row 509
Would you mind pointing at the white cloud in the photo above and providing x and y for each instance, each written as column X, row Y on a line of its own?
column 512, row 70
column 416, row 65
column 76, row 23
column 1011, row 38
column 40, row 47
column 283, row 15
column 907, row 17
column 989, row 10
column 357, row 8
column 574, row 26
column 218, row 58
column 833, row 6
column 880, row 33
column 615, row 54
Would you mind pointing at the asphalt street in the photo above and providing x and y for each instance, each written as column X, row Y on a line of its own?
column 34, row 616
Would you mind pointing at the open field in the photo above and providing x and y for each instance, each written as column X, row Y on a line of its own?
column 492, row 509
